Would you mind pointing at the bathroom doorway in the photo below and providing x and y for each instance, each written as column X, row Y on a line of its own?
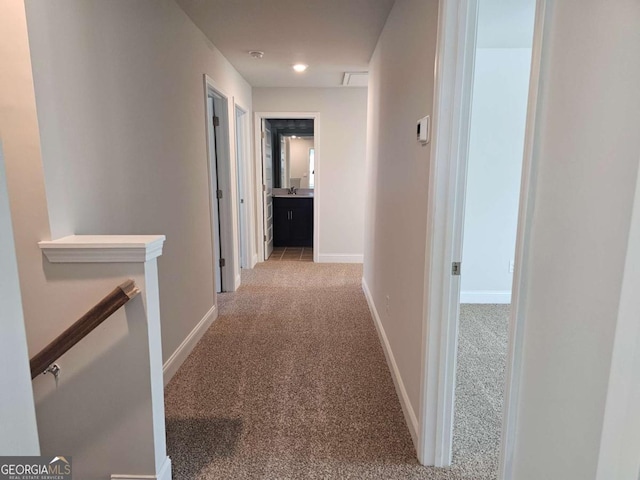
column 288, row 159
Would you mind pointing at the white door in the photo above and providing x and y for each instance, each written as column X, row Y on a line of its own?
column 19, row 434
column 267, row 189
column 215, row 203
column 242, row 234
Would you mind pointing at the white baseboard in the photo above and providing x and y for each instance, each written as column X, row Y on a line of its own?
column 409, row 414
column 176, row 359
column 485, row 296
column 254, row 260
column 165, row 470
column 340, row 258
column 238, row 282
column 163, row 474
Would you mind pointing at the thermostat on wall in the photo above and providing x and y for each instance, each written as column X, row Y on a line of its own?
column 424, row 127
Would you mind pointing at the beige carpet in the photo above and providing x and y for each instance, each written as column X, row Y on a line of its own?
column 291, row 383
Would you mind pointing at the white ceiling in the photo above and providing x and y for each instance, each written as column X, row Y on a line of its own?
column 331, row 36
column 505, row 23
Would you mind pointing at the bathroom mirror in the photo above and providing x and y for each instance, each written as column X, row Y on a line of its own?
column 297, row 162
column 293, row 152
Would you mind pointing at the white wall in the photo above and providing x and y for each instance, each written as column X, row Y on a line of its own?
column 496, row 145
column 121, row 106
column 25, row 186
column 586, row 152
column 400, row 92
column 25, row 179
column 19, row 433
column 340, row 172
column 299, row 159
column 620, row 443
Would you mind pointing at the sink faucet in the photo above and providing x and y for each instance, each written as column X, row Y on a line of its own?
column 292, row 191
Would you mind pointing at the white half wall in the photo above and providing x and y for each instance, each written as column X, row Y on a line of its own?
column 585, row 161
column 341, row 174
column 496, row 145
column 121, row 106
column 401, row 88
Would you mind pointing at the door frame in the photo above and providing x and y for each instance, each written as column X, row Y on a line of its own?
column 259, row 223
column 245, row 182
column 455, row 59
column 268, row 213
column 227, row 181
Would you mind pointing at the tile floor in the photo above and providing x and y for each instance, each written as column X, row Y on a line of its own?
column 292, row 254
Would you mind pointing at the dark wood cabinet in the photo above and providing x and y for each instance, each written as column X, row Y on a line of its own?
column 293, row 222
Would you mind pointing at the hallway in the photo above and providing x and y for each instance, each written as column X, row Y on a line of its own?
column 291, row 382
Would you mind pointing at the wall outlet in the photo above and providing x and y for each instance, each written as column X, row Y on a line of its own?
column 512, row 265
column 387, row 301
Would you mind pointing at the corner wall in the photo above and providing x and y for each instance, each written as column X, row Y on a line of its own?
column 401, row 90
column 341, row 175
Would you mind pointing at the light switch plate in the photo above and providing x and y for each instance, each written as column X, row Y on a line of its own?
column 424, row 130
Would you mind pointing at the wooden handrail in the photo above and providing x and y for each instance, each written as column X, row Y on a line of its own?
column 85, row 325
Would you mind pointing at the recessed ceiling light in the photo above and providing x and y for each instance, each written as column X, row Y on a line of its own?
column 256, row 53
column 300, row 67
column 293, row 136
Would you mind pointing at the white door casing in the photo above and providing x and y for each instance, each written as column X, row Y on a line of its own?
column 243, row 250
column 215, row 205
column 222, row 178
column 452, row 107
column 453, row 87
column 246, row 183
column 259, row 169
column 267, row 189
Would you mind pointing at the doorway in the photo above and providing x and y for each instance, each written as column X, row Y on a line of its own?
column 288, row 159
column 499, row 95
column 480, row 129
column 244, row 196
column 222, row 191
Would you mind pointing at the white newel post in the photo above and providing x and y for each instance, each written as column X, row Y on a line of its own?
column 136, row 445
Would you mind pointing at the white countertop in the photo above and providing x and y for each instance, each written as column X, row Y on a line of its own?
column 297, row 195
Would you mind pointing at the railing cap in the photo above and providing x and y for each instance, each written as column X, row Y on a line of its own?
column 103, row 248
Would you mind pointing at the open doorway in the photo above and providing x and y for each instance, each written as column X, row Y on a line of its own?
column 288, row 159
column 482, row 146
column 497, row 125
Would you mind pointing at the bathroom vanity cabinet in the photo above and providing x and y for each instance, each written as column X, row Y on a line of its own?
column 293, row 221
